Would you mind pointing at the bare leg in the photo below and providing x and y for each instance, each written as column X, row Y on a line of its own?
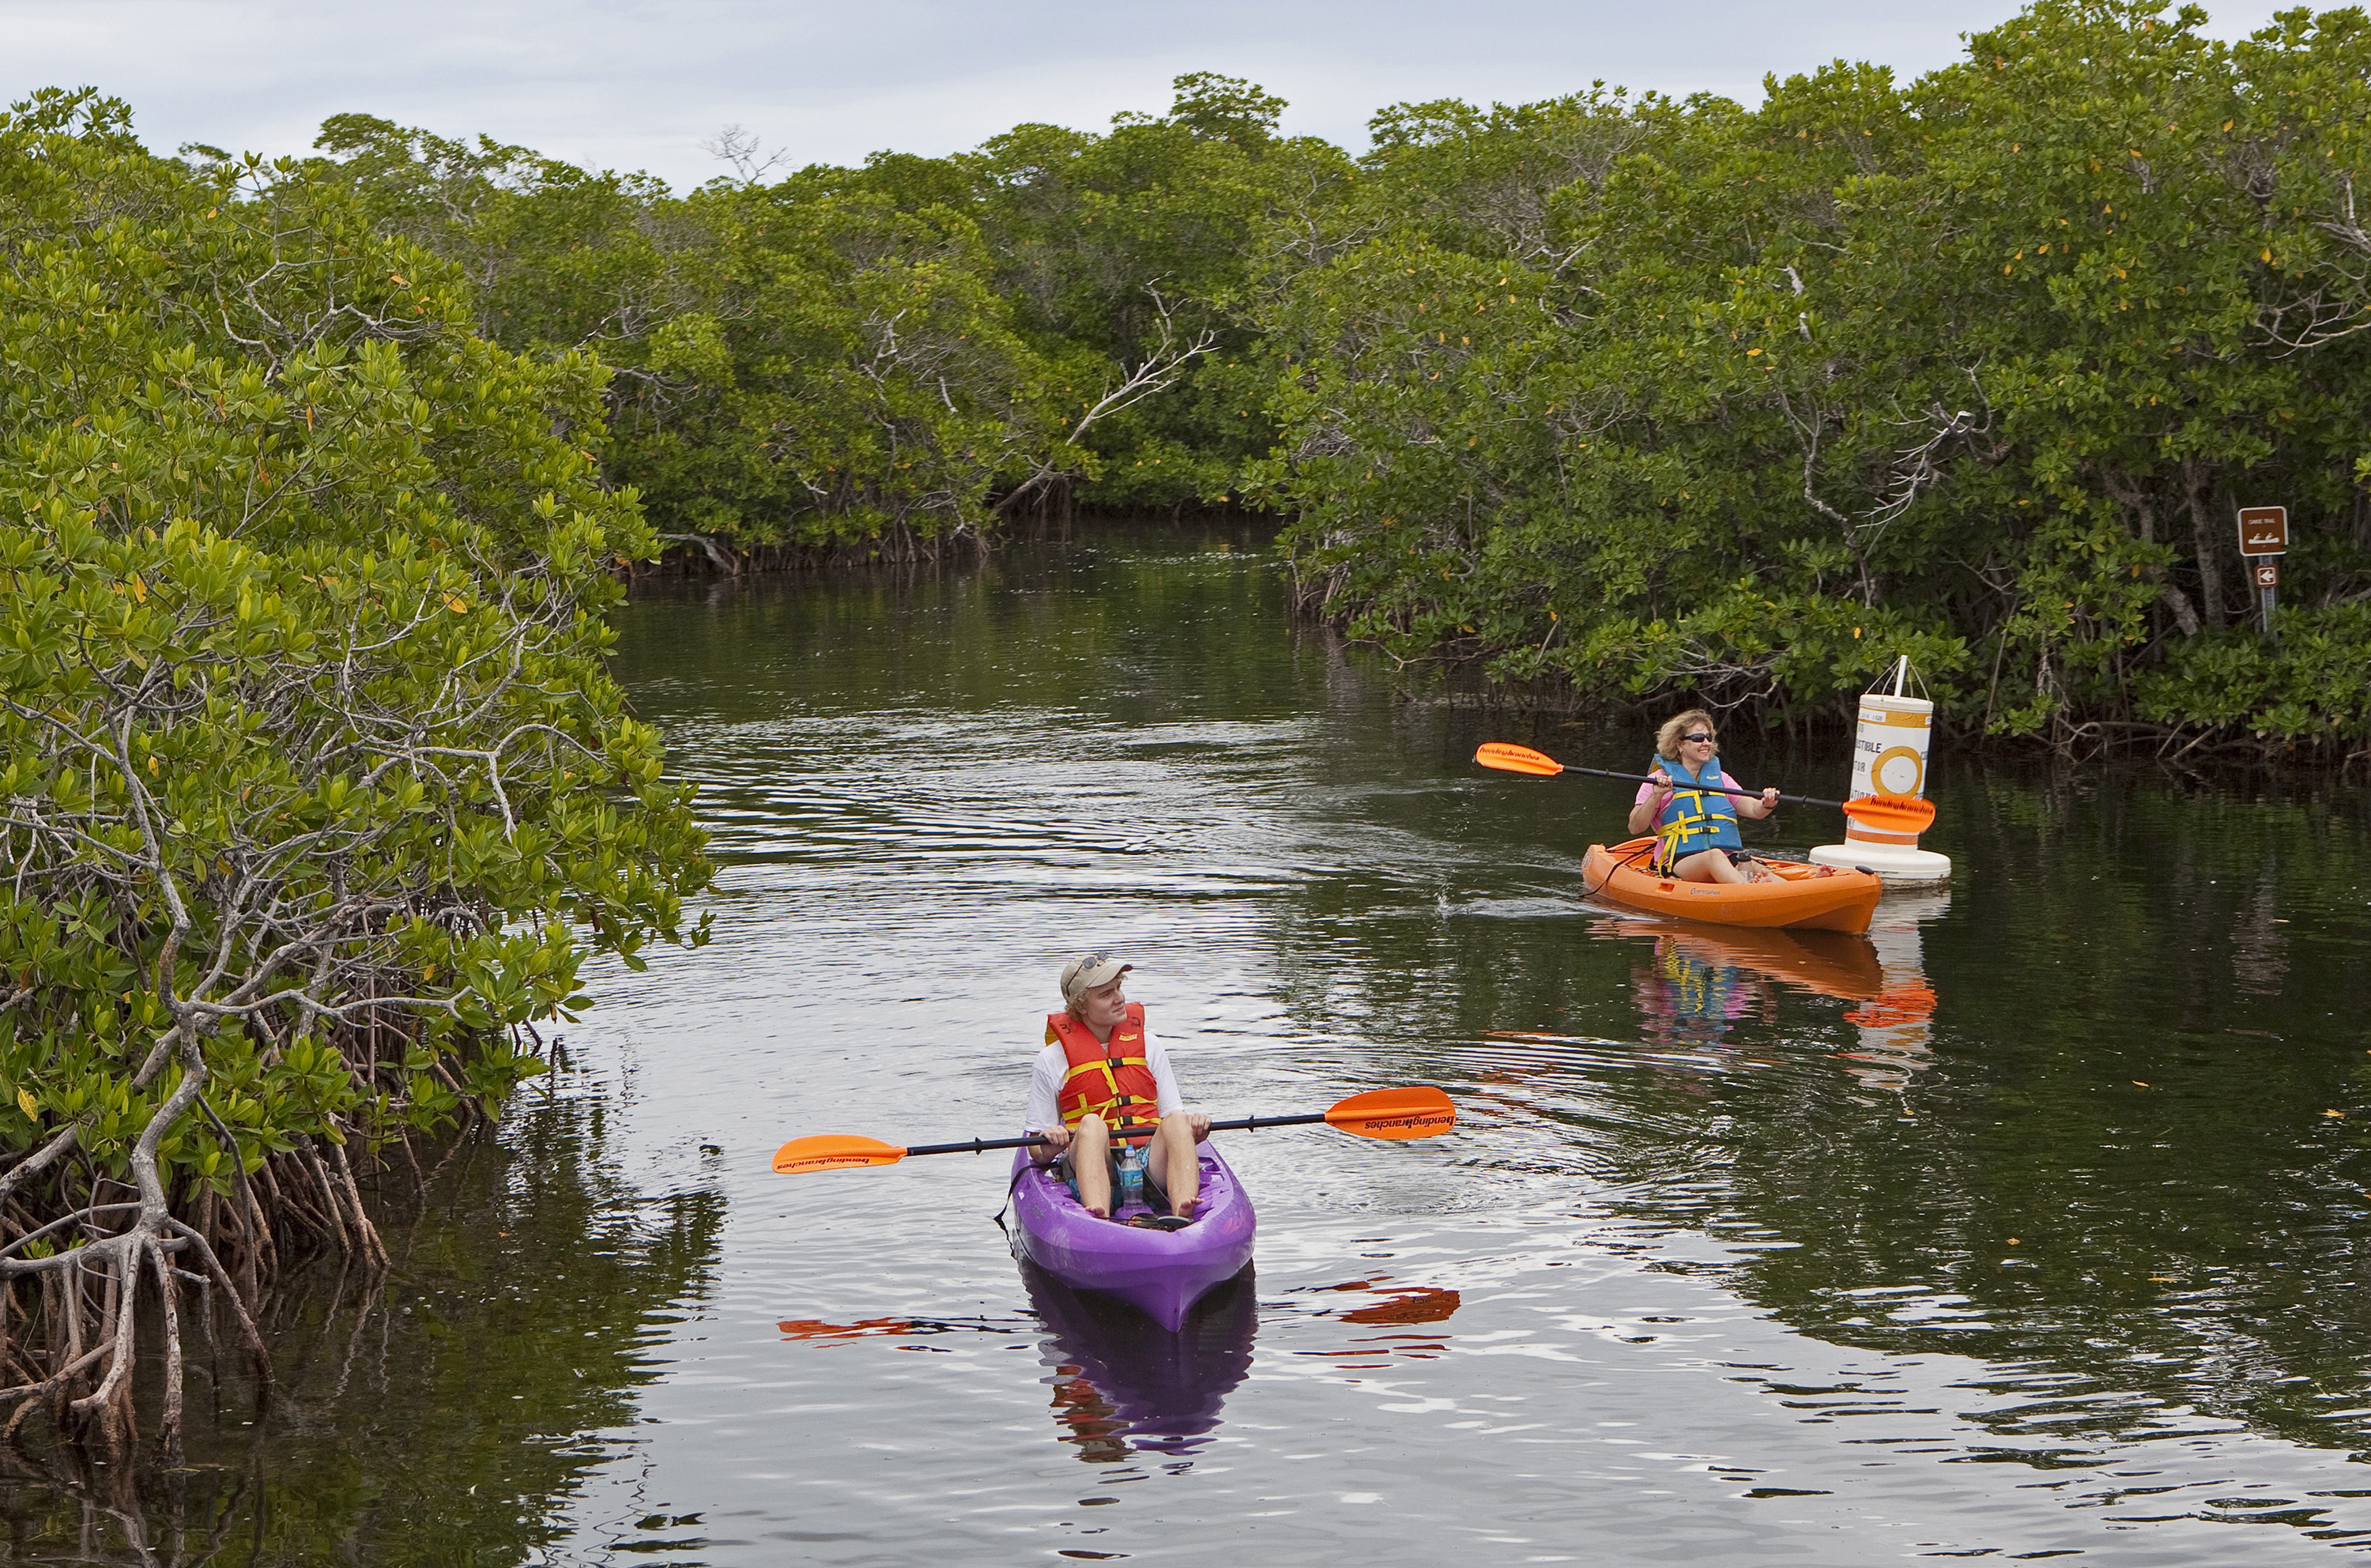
column 1091, row 1164
column 1181, row 1166
column 1711, row 866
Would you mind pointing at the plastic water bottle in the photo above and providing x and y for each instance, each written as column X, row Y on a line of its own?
column 1131, row 1174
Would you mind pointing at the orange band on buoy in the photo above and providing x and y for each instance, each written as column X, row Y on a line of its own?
column 1856, row 833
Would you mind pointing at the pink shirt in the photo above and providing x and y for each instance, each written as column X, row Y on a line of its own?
column 1647, row 791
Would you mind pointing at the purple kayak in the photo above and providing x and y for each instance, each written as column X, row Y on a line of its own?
column 1160, row 1273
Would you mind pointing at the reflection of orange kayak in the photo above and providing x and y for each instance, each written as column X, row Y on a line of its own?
column 1833, row 964
column 1906, row 1004
column 1799, row 896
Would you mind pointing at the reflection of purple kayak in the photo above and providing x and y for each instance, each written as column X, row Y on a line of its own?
column 1162, row 1272
column 1122, row 1381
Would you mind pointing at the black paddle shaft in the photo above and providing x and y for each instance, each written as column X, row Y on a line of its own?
column 981, row 1146
column 1715, row 789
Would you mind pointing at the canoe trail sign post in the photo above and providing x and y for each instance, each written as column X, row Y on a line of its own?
column 2263, row 539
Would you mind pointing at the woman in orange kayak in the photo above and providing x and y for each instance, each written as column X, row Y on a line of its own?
column 1697, row 823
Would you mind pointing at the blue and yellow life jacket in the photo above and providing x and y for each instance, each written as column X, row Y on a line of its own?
column 1695, row 818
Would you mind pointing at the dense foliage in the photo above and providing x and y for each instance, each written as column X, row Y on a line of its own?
column 318, row 790
column 1632, row 396
column 886, row 358
column 1652, row 397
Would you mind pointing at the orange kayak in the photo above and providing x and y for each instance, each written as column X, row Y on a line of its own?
column 1799, row 896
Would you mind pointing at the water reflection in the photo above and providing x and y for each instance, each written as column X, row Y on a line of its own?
column 1697, row 980
column 434, row 1413
column 1405, row 1303
column 898, row 1327
column 2259, row 963
column 1897, row 1024
column 1391, row 1309
column 1122, row 1382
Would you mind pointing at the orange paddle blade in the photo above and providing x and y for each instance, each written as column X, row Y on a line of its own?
column 1891, row 813
column 833, row 1152
column 1416, row 1112
column 1508, row 757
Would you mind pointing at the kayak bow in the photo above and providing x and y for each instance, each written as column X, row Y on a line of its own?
column 1160, row 1273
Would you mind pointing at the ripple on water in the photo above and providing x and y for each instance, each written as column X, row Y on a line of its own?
column 1717, row 1268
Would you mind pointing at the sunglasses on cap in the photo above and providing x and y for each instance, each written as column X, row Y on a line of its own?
column 1078, row 969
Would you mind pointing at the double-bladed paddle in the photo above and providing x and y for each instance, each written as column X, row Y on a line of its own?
column 1416, row 1112
column 1886, row 813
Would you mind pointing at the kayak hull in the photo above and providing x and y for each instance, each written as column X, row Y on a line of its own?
column 1160, row 1273
column 1800, row 897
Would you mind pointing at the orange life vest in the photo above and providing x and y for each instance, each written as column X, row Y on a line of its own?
column 1114, row 1081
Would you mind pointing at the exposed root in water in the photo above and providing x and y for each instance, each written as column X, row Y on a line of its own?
column 103, row 1278
column 373, row 1368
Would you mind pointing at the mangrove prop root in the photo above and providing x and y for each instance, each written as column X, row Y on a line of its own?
column 372, row 1243
column 111, row 1258
column 249, row 1337
column 168, row 1430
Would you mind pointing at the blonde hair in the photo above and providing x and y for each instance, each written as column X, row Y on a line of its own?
column 1667, row 739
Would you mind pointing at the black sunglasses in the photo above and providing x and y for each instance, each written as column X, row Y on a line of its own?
column 1715, row 739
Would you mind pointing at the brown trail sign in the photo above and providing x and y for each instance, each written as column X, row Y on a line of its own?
column 2263, row 538
column 2263, row 530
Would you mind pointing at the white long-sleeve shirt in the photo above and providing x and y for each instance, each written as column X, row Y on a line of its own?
column 1053, row 1065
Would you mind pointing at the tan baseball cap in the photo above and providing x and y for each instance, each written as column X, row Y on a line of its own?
column 1084, row 975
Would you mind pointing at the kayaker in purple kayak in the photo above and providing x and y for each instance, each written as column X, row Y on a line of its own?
column 1103, row 1086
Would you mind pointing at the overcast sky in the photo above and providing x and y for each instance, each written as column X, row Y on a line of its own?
column 640, row 83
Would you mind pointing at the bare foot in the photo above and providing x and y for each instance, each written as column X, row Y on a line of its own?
column 1188, row 1209
column 1100, row 1214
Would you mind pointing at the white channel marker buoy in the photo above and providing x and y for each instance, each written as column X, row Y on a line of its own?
column 1890, row 761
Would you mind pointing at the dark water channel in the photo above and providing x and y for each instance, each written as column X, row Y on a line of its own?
column 2035, row 1226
